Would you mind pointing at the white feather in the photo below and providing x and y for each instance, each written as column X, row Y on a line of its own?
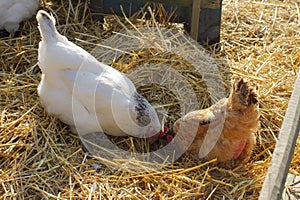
column 13, row 12
column 86, row 94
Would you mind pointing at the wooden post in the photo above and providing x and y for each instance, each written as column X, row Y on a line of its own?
column 195, row 19
column 276, row 176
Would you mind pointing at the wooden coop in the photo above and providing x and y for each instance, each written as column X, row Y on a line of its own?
column 202, row 19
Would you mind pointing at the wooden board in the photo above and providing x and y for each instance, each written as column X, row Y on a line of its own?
column 195, row 19
column 276, row 176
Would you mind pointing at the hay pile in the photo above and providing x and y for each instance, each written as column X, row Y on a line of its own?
column 41, row 158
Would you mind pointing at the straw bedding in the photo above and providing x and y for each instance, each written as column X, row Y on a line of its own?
column 41, row 159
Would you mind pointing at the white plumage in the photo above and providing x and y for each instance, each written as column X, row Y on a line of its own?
column 12, row 12
column 86, row 94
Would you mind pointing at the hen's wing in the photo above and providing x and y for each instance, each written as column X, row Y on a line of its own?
column 112, row 96
column 95, row 91
column 195, row 125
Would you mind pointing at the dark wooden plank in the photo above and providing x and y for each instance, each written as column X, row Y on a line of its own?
column 195, row 19
column 276, row 176
column 171, row 2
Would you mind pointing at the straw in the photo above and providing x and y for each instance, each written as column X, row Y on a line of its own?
column 41, row 158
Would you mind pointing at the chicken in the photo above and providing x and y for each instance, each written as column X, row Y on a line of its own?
column 226, row 130
column 13, row 12
column 86, row 94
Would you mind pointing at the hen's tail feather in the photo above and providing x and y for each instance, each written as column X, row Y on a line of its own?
column 247, row 95
column 242, row 95
column 46, row 25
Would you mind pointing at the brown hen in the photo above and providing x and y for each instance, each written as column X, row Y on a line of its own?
column 226, row 130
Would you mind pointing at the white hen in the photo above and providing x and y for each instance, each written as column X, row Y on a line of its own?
column 86, row 94
column 12, row 12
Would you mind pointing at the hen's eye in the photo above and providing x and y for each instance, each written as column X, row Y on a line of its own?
column 207, row 121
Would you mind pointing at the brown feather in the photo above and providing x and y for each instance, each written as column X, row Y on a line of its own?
column 240, row 115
